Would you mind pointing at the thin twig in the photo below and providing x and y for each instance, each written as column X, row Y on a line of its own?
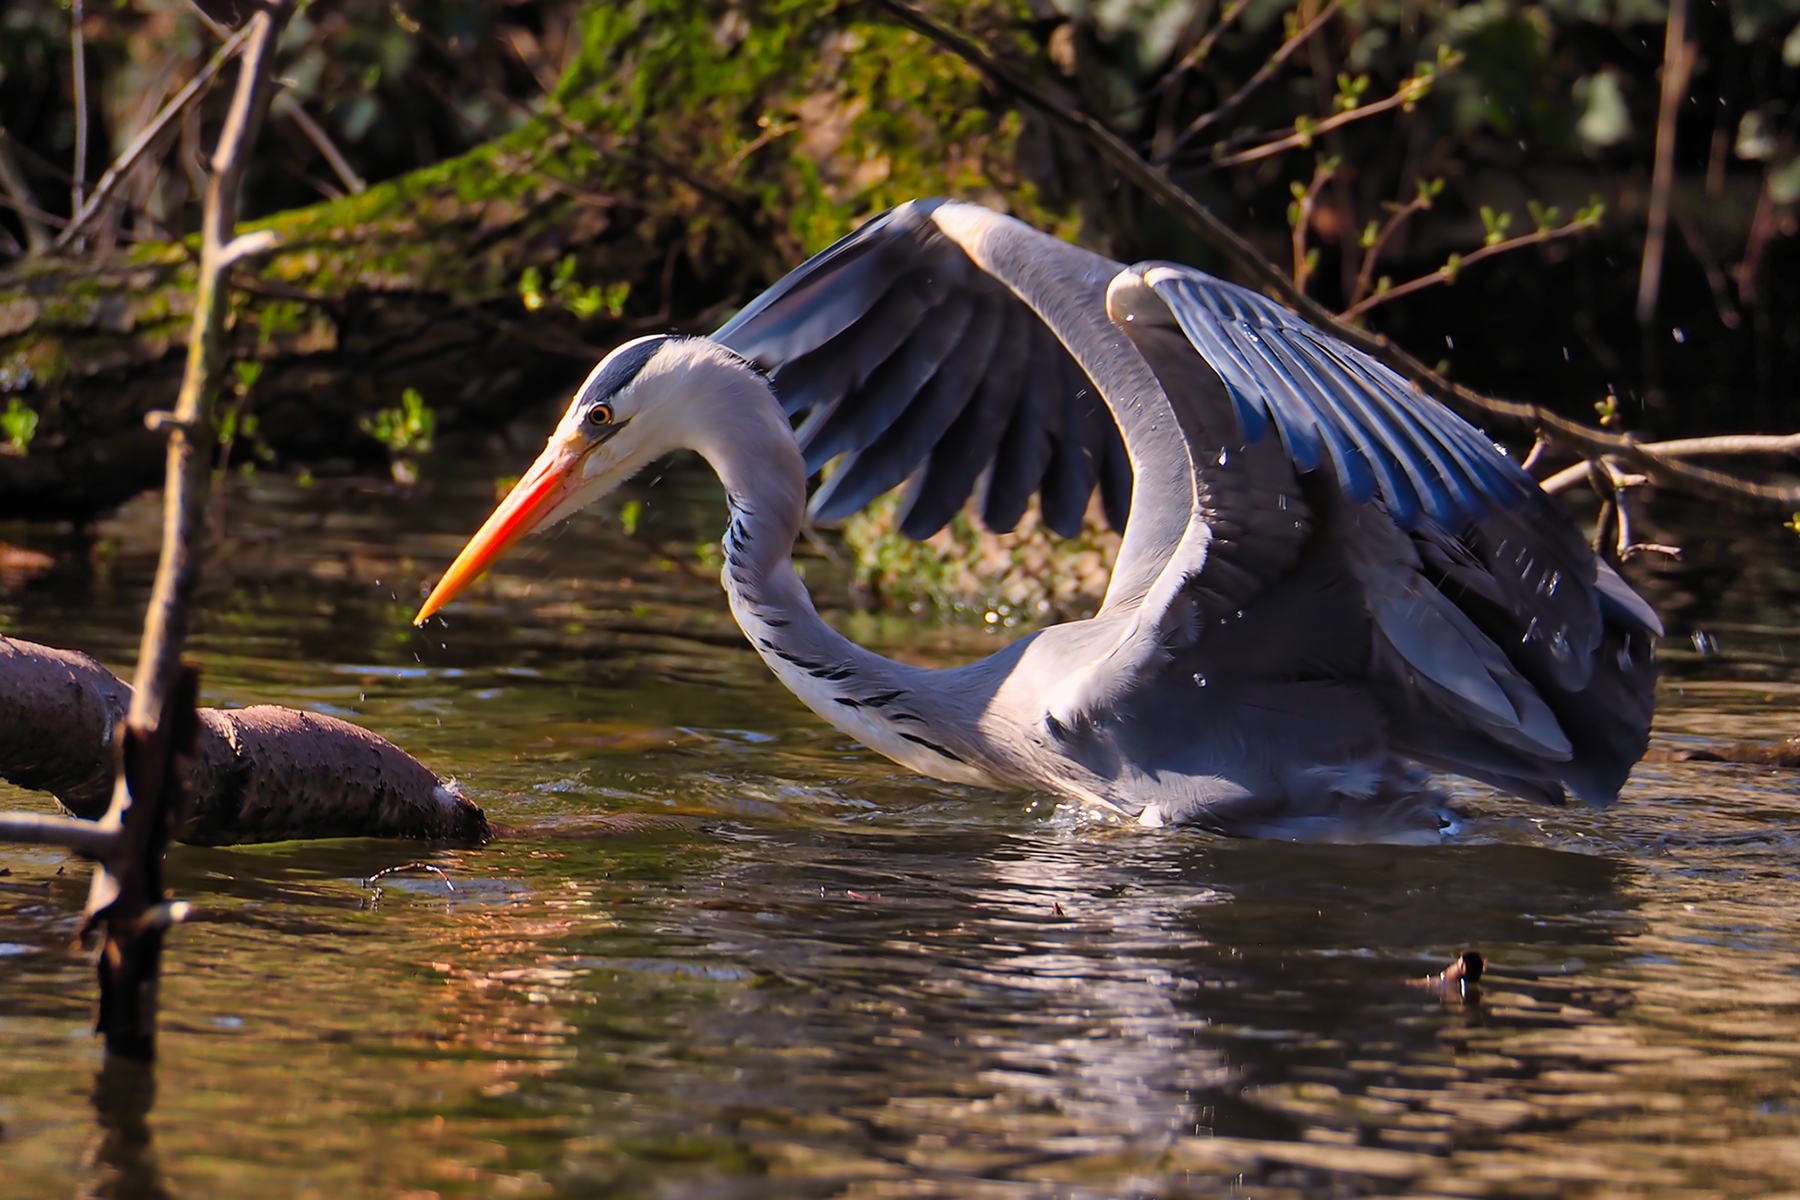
column 78, row 39
column 22, row 200
column 33, row 214
column 115, row 174
column 1300, row 217
column 190, row 444
column 287, row 106
column 1725, row 444
column 1407, row 95
column 71, row 833
column 1203, row 47
column 1449, row 271
column 1365, row 277
column 1262, row 76
column 1729, row 316
column 1678, row 61
column 1578, row 438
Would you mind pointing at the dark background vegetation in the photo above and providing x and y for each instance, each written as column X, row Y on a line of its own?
column 551, row 176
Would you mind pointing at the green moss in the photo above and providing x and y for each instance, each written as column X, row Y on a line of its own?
column 1022, row 577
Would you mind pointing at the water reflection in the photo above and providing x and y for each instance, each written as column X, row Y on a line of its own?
column 726, row 954
column 122, row 1164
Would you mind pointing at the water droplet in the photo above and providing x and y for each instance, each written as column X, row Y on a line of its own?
column 1530, row 631
column 1705, row 643
column 1199, row 679
column 1224, row 456
column 1449, row 341
column 1559, row 645
column 1565, row 354
column 1680, row 335
column 991, row 617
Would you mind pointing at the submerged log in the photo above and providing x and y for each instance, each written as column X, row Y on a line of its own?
column 1756, row 754
column 258, row 774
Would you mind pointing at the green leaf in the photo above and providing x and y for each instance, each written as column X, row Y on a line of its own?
column 19, row 424
column 531, row 289
column 1784, row 182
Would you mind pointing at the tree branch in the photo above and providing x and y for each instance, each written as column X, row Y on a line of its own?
column 71, row 833
column 18, row 191
column 1262, row 76
column 1727, row 444
column 1406, row 96
column 1449, row 271
column 1678, row 62
column 1203, row 47
column 1578, row 438
column 87, row 213
column 291, row 108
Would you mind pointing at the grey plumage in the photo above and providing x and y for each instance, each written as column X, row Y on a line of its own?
column 1325, row 578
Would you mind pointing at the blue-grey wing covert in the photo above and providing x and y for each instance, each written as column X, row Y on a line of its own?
column 907, row 359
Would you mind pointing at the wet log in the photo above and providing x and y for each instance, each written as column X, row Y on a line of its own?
column 408, row 285
column 258, row 774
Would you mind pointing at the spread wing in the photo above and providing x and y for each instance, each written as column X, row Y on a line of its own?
column 910, row 360
column 1500, row 646
column 950, row 344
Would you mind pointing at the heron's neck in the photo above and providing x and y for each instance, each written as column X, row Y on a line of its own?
column 874, row 699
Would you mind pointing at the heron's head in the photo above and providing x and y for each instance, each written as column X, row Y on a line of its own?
column 636, row 406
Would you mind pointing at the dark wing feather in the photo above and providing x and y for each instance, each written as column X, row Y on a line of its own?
column 890, row 458
column 1330, row 402
column 967, row 447
column 900, row 353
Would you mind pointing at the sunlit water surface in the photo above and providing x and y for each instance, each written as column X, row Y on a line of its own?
column 799, row 971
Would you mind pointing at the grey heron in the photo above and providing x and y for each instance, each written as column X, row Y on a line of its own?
column 1326, row 582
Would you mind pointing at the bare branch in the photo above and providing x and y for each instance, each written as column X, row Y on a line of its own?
column 1701, row 447
column 32, row 214
column 1450, row 270
column 1536, row 453
column 78, row 40
column 18, row 192
column 1575, row 437
column 1300, row 218
column 1678, row 62
column 287, row 106
column 71, row 833
column 1407, row 95
column 85, row 214
column 1203, row 47
column 248, row 245
column 1262, row 76
column 1365, row 277
column 1729, row 316
column 190, row 445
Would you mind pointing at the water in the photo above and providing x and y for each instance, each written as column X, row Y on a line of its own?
column 798, row 971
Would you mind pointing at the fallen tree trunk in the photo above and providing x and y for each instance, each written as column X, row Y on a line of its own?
column 414, row 284
column 259, row 774
column 693, row 151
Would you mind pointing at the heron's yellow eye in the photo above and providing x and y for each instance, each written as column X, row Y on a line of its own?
column 600, row 414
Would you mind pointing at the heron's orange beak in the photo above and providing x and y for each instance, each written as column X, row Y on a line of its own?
column 533, row 498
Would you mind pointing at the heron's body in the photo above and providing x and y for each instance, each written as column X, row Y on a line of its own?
column 1325, row 579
